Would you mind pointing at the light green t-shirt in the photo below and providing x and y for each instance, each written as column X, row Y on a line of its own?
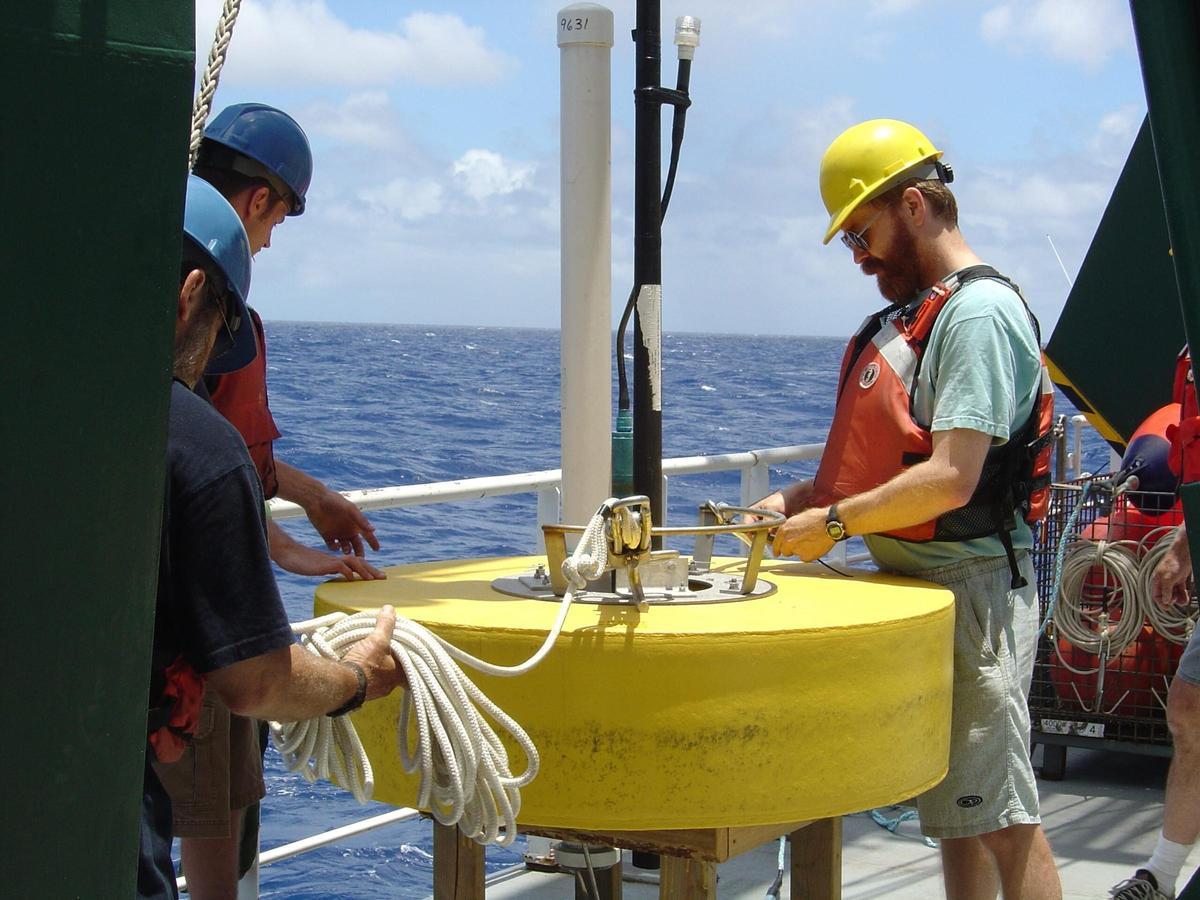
column 982, row 371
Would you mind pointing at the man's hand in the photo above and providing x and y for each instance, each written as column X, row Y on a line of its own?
column 1169, row 583
column 341, row 523
column 374, row 654
column 790, row 500
column 771, row 503
column 293, row 556
column 803, row 535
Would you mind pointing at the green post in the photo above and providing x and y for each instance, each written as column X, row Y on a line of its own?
column 96, row 116
column 1169, row 50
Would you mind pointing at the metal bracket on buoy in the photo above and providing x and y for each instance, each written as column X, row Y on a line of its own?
column 639, row 575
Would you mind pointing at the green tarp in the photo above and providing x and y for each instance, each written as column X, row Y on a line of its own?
column 1114, row 347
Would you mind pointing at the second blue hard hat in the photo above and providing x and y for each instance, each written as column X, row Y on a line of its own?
column 213, row 232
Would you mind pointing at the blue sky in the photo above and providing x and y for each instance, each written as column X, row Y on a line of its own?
column 435, row 131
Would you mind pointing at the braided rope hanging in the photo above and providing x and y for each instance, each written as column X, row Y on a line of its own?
column 212, row 74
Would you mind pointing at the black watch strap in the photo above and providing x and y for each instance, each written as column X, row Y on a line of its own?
column 360, row 693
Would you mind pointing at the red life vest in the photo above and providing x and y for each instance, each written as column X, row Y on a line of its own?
column 241, row 397
column 174, row 720
column 874, row 435
column 1185, row 438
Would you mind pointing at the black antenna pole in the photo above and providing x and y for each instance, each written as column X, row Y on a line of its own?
column 647, row 261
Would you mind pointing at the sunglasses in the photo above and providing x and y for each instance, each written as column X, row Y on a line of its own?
column 856, row 240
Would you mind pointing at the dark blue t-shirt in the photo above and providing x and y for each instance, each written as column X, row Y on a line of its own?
column 217, row 599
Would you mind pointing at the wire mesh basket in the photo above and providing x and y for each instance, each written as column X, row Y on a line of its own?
column 1107, row 652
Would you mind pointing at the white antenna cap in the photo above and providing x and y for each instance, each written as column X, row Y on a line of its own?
column 687, row 36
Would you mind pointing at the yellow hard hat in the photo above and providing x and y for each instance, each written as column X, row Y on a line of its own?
column 867, row 159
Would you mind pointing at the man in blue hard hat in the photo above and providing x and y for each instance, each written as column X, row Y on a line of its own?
column 259, row 159
column 219, row 623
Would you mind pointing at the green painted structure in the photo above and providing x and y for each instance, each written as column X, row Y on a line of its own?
column 96, row 112
column 1113, row 349
column 1168, row 38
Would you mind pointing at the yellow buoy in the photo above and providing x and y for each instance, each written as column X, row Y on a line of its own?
column 828, row 696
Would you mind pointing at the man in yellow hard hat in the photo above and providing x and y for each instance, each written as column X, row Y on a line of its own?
column 938, row 456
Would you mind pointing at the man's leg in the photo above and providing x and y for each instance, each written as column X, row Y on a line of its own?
column 1181, row 816
column 969, row 870
column 211, row 864
column 1181, row 812
column 990, row 781
column 1025, row 863
column 226, row 778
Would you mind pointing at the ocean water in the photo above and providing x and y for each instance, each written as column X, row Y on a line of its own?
column 377, row 405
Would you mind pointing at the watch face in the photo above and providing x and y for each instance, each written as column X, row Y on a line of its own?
column 835, row 530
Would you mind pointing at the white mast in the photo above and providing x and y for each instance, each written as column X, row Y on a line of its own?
column 585, row 36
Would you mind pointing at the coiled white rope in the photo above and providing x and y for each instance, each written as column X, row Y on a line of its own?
column 1088, row 621
column 464, row 772
column 1175, row 623
column 212, row 74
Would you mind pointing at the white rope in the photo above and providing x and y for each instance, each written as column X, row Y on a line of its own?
column 464, row 772
column 1176, row 623
column 590, row 558
column 1087, row 620
column 212, row 74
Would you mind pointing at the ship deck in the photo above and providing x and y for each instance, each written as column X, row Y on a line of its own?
column 1102, row 820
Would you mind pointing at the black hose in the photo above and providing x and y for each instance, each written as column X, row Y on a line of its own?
column 678, row 121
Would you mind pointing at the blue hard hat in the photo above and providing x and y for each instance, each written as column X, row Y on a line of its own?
column 271, row 138
column 213, row 231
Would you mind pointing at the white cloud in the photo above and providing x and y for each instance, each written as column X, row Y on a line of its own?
column 892, row 7
column 303, row 42
column 485, row 174
column 409, row 199
column 360, row 120
column 1039, row 197
column 1085, row 32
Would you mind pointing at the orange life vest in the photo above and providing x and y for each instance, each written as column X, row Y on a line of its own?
column 241, row 397
column 875, row 436
column 174, row 720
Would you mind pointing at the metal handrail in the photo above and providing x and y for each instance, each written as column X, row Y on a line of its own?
column 529, row 482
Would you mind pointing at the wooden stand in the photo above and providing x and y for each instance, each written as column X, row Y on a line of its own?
column 689, row 858
column 457, row 865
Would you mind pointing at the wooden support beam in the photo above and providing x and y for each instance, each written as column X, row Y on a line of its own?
column 817, row 860
column 715, row 844
column 687, row 878
column 457, row 865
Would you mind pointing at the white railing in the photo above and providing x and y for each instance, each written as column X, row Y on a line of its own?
column 754, row 466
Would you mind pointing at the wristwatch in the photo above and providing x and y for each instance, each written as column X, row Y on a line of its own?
column 834, row 527
column 360, row 692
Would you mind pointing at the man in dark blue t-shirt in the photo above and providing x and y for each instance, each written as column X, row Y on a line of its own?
column 219, row 617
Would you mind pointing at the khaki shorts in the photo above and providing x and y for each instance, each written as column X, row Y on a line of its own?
column 219, row 772
column 990, row 784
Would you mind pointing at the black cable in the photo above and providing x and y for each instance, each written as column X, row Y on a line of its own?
column 682, row 80
column 678, row 120
column 833, row 570
column 622, row 381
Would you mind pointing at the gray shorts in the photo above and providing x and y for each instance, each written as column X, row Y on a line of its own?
column 1189, row 663
column 990, row 784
